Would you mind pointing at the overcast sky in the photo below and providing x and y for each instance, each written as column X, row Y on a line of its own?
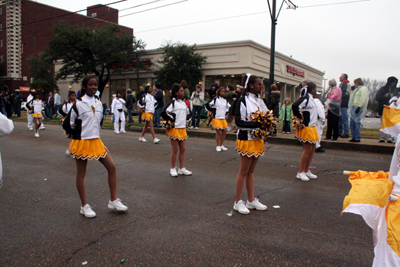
column 360, row 38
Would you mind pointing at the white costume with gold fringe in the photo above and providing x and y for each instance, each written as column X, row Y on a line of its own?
column 178, row 112
column 247, row 145
column 373, row 196
column 86, row 145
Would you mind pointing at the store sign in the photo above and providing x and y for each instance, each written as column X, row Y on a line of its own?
column 24, row 88
column 295, row 71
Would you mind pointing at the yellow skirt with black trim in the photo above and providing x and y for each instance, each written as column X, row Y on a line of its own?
column 37, row 115
column 219, row 124
column 87, row 149
column 177, row 134
column 146, row 116
column 250, row 148
column 308, row 134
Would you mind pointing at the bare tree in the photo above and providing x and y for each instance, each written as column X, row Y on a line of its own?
column 373, row 86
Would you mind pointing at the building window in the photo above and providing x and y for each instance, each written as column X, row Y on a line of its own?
column 94, row 15
column 1, row 59
column 1, row 10
column 1, row 42
column 1, row 26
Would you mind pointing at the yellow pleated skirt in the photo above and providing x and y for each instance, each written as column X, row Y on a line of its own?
column 219, row 124
column 177, row 134
column 36, row 115
column 308, row 134
column 250, row 148
column 87, row 149
column 146, row 116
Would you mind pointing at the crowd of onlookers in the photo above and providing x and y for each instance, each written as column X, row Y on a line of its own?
column 345, row 104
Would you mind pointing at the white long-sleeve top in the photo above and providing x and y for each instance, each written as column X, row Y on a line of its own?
column 247, row 105
column 117, row 104
column 320, row 111
column 90, row 113
column 181, row 110
column 149, row 102
column 37, row 105
column 306, row 108
column 66, row 107
column 221, row 107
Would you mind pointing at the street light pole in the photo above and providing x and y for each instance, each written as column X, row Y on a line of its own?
column 272, row 60
column 274, row 21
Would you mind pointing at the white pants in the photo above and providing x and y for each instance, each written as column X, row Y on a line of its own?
column 119, row 116
column 30, row 120
column 320, row 130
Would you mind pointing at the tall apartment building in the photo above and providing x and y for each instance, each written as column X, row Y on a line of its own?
column 25, row 27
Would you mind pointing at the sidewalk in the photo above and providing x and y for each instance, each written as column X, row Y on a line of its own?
column 366, row 145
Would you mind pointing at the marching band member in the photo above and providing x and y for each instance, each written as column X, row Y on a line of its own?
column 86, row 145
column 148, row 102
column 248, row 147
column 220, row 107
column 306, row 110
column 117, row 108
column 178, row 113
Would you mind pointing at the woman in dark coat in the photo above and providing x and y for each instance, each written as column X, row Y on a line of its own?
column 274, row 101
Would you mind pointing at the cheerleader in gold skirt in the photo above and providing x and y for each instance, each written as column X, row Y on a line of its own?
column 305, row 109
column 177, row 114
column 148, row 102
column 220, row 108
column 248, row 147
column 85, row 145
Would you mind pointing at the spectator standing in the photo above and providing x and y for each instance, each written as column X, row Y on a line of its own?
column 130, row 100
column 333, row 102
column 8, row 103
column 57, row 101
column 286, row 115
column 50, row 105
column 212, row 92
column 357, row 103
column 17, row 100
column 344, row 117
column 197, row 99
column 229, row 99
column 274, row 102
column 383, row 96
column 2, row 103
column 159, row 96
column 236, row 96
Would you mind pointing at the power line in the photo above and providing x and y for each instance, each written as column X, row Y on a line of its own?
column 244, row 15
column 334, row 4
column 62, row 15
column 89, row 18
column 154, row 8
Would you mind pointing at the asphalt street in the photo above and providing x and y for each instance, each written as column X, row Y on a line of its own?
column 176, row 221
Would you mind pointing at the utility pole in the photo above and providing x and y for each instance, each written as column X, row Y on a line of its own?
column 274, row 21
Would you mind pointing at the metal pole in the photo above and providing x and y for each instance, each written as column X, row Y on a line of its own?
column 272, row 60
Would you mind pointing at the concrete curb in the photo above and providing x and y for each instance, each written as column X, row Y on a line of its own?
column 338, row 145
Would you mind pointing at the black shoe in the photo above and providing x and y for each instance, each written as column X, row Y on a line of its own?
column 357, row 141
column 390, row 141
column 326, row 138
column 334, row 139
column 381, row 141
column 344, row 136
column 320, row 149
column 352, row 140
